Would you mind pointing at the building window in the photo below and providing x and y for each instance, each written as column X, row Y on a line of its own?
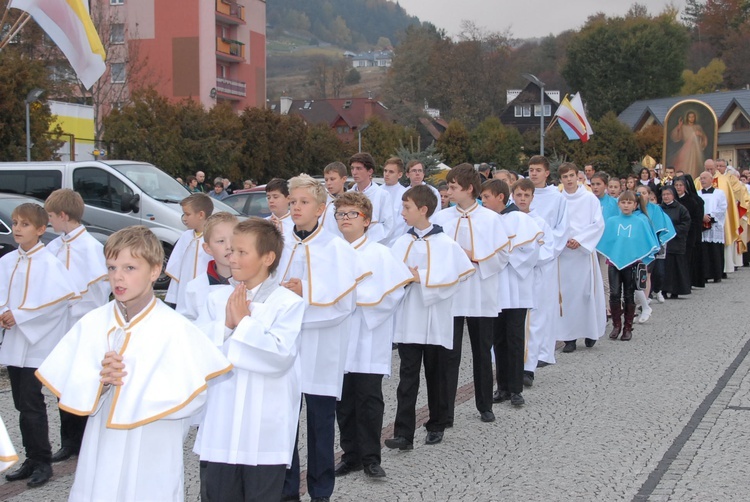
column 117, row 33
column 547, row 110
column 527, row 110
column 518, row 109
column 116, row 2
column 118, row 73
column 740, row 123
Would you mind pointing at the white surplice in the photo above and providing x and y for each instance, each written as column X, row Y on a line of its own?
column 549, row 205
column 399, row 224
column 83, row 256
column 584, row 313
column 196, row 294
column 381, row 225
column 188, row 259
column 482, row 235
column 515, row 281
column 132, row 447
column 378, row 298
column 8, row 455
column 715, row 204
column 284, row 224
column 38, row 289
column 252, row 412
column 426, row 313
column 329, row 271
column 546, row 300
column 327, row 220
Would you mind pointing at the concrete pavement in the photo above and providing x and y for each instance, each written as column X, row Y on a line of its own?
column 665, row 416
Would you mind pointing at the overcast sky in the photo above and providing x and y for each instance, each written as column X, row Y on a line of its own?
column 524, row 18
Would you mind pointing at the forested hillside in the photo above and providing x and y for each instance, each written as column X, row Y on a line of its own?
column 346, row 23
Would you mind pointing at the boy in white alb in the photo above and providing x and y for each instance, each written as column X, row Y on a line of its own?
column 277, row 196
column 515, row 293
column 323, row 270
column 217, row 236
column 481, row 234
column 247, row 434
column 138, row 369
column 362, row 166
column 584, row 314
column 188, row 258
column 83, row 256
column 393, row 170
column 424, row 322
column 35, row 313
column 548, row 204
column 334, row 175
column 360, row 411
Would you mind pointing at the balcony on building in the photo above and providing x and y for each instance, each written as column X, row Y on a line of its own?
column 230, row 50
column 233, row 90
column 230, row 12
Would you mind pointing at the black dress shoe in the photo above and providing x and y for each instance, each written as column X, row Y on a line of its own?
column 23, row 472
column 343, row 468
column 487, row 416
column 63, row 453
column 500, row 395
column 42, row 473
column 321, row 499
column 399, row 442
column 528, row 379
column 517, row 400
column 570, row 346
column 290, row 498
column 542, row 364
column 590, row 342
column 374, row 471
column 433, row 437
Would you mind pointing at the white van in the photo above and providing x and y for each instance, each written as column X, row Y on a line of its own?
column 117, row 193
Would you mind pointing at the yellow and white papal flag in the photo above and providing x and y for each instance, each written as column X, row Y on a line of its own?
column 69, row 25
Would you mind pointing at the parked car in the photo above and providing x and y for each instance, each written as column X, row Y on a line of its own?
column 117, row 193
column 8, row 202
column 249, row 202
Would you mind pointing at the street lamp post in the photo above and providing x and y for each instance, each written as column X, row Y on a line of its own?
column 359, row 133
column 531, row 78
column 33, row 96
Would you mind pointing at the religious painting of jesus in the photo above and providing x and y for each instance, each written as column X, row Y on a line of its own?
column 690, row 130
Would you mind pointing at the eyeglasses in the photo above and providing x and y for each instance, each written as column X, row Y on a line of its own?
column 349, row 215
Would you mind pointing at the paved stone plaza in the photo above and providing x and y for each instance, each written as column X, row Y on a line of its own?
column 663, row 417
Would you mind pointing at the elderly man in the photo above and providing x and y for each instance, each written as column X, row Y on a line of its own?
column 722, row 181
column 742, row 202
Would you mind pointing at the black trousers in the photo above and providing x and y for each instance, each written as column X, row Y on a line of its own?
column 321, row 432
column 510, row 349
column 71, row 430
column 480, row 336
column 241, row 483
column 360, row 418
column 713, row 260
column 622, row 285
column 29, row 401
column 412, row 356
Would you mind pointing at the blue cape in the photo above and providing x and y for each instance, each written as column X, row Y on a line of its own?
column 628, row 239
column 660, row 222
column 609, row 206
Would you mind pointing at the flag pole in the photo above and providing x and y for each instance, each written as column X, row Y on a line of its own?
column 15, row 29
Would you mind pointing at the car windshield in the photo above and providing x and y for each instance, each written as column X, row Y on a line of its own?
column 153, row 181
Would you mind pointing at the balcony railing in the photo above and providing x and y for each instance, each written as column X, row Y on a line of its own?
column 232, row 87
column 230, row 47
column 231, row 9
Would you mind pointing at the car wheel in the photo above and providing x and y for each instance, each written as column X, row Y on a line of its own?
column 163, row 281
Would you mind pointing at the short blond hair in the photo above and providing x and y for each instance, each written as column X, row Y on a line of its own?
column 141, row 242
column 311, row 185
column 198, row 202
column 215, row 220
column 65, row 201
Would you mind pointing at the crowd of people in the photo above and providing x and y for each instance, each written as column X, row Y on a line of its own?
column 307, row 304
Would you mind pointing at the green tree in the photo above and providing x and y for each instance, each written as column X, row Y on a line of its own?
column 615, row 61
column 18, row 76
column 381, row 139
column 707, row 79
column 430, row 158
column 323, row 146
column 650, row 141
column 455, row 144
column 491, row 141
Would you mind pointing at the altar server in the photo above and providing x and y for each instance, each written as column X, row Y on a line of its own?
column 138, row 369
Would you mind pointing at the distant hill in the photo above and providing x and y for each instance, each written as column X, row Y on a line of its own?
column 345, row 23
